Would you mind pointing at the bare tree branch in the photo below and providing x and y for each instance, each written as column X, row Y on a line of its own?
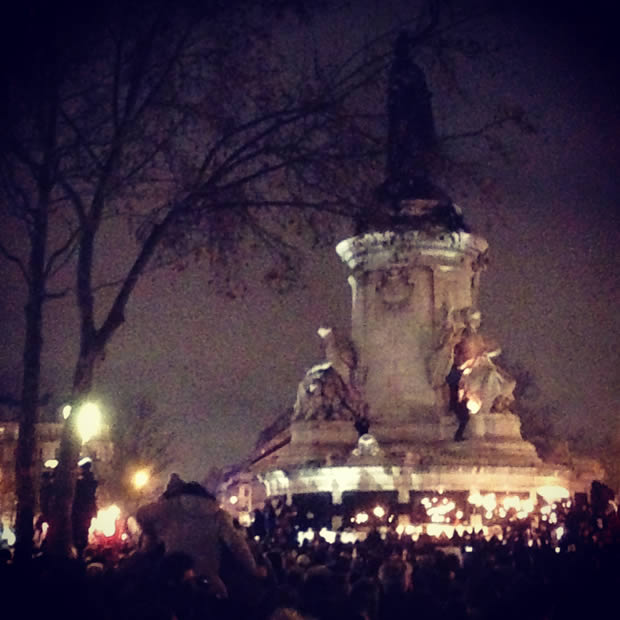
column 15, row 260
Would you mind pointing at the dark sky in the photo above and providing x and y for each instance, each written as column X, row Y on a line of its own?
column 220, row 369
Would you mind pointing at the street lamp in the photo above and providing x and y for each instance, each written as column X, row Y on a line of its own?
column 88, row 421
column 141, row 478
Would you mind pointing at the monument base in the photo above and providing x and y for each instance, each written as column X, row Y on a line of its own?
column 326, row 457
column 490, row 439
column 325, row 467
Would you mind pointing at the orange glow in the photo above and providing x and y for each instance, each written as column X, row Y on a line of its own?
column 141, row 478
column 473, row 405
column 105, row 521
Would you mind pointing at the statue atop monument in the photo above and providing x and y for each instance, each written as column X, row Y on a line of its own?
column 411, row 127
column 408, row 197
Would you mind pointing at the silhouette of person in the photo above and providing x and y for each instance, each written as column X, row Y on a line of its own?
column 84, row 506
column 457, row 405
column 174, row 487
column 46, row 494
column 191, row 522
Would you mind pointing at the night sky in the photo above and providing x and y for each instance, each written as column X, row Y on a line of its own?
column 220, row 370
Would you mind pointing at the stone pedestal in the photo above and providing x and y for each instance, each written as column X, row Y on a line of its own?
column 491, row 439
column 492, row 426
column 304, row 435
column 401, row 282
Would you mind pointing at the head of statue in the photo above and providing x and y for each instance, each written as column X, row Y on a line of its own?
column 474, row 319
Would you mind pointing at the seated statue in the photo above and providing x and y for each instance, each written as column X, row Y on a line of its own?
column 449, row 335
column 327, row 391
column 340, row 353
column 484, row 385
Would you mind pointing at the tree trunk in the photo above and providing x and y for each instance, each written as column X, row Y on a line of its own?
column 33, row 344
column 26, row 442
column 60, row 533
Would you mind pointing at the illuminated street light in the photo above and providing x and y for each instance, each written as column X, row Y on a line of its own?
column 66, row 411
column 141, row 478
column 88, row 421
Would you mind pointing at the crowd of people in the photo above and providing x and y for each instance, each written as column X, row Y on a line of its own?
column 193, row 561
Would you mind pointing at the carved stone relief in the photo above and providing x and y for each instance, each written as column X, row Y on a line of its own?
column 395, row 287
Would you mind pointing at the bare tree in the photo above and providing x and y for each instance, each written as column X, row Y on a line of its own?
column 176, row 126
column 141, row 440
column 187, row 129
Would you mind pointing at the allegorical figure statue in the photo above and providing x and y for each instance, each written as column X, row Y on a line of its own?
column 449, row 334
column 464, row 360
column 444, row 372
column 327, row 392
column 484, row 384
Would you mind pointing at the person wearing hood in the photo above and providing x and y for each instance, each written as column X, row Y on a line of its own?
column 188, row 520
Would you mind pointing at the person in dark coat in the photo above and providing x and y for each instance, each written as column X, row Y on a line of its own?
column 84, row 506
column 258, row 525
column 457, row 406
column 46, row 494
column 191, row 522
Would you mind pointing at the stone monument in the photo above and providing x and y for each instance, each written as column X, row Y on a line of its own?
column 383, row 410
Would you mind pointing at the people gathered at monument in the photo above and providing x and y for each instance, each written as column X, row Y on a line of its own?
column 193, row 561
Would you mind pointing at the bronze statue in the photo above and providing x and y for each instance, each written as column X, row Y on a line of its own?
column 413, row 200
column 411, row 127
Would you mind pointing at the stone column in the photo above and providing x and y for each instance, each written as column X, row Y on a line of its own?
column 401, row 283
